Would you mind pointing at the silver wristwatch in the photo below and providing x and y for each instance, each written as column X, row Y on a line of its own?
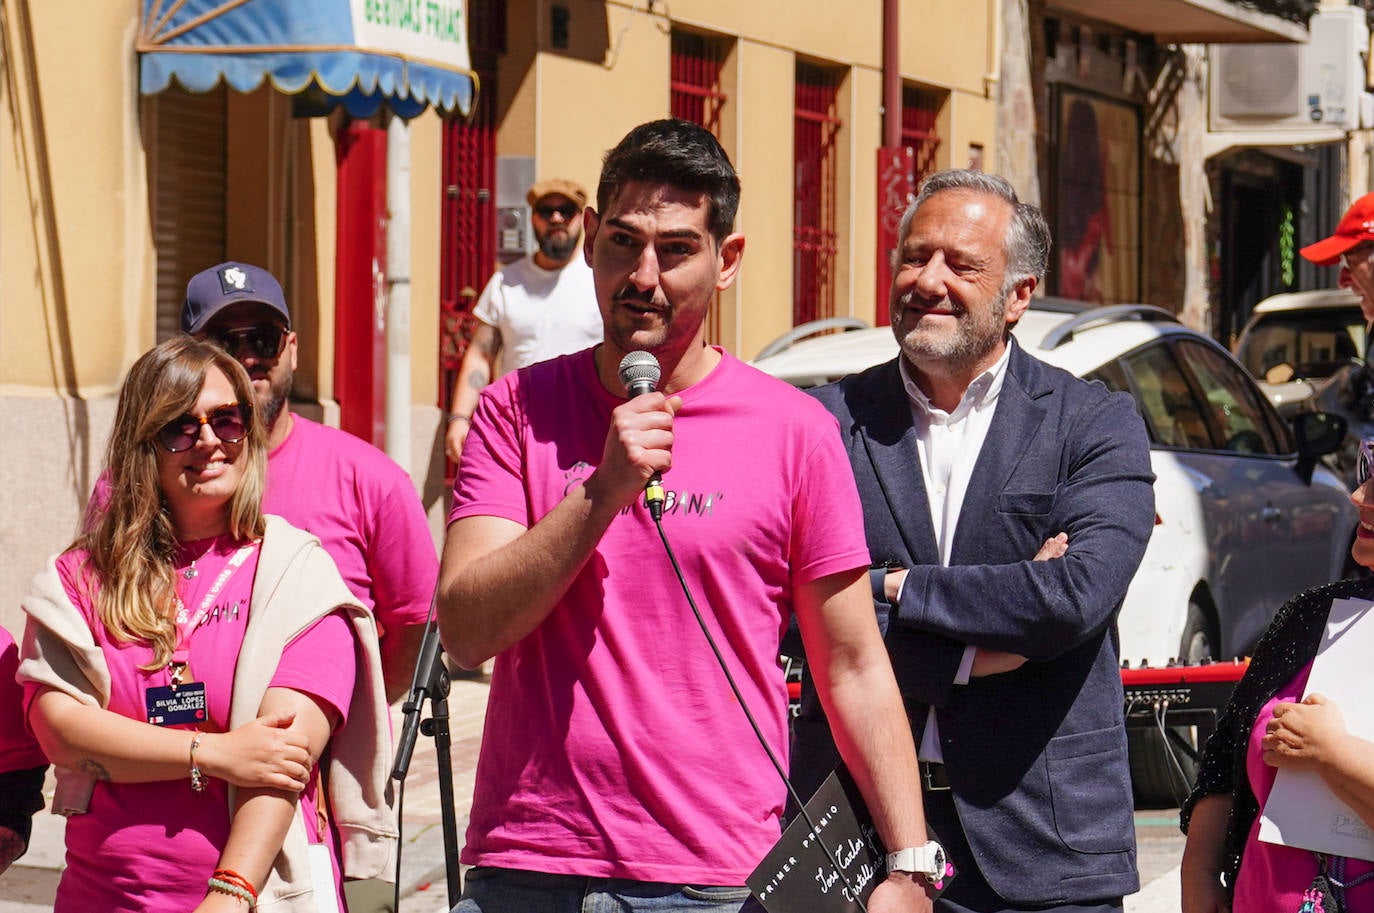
column 927, row 861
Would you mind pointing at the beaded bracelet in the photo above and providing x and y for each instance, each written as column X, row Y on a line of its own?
column 233, row 890
column 197, row 778
column 235, row 878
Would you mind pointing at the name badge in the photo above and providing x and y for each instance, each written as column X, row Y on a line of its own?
column 168, row 706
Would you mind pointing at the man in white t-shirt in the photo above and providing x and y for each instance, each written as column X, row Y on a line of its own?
column 539, row 307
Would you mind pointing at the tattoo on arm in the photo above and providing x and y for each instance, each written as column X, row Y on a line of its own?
column 93, row 768
column 489, row 344
column 478, row 378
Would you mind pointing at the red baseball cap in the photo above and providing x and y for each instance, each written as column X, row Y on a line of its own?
column 1356, row 227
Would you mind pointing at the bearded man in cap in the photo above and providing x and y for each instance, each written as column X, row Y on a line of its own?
column 361, row 505
column 539, row 307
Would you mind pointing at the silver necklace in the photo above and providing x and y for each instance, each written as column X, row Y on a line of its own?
column 191, row 573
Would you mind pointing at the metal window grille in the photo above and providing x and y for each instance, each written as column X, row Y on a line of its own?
column 468, row 211
column 468, row 234
column 816, row 127
column 696, row 67
column 920, row 108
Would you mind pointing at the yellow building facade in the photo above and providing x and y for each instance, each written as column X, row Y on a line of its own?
column 568, row 90
column 102, row 189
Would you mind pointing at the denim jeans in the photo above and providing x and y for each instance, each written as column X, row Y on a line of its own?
column 492, row 890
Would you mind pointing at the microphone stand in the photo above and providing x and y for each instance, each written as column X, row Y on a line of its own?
column 431, row 680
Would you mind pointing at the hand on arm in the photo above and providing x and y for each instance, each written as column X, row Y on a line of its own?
column 262, row 816
column 499, row 580
column 1204, row 856
column 854, row 679
column 1312, row 736
column 1041, row 609
column 268, row 751
column 995, row 662
column 476, row 371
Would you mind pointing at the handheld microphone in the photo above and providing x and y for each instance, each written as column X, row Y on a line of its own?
column 639, row 372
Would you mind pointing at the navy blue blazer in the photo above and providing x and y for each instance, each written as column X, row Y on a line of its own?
column 1036, row 758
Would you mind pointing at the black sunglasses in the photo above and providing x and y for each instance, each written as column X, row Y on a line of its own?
column 263, row 341
column 1364, row 465
column 229, row 423
column 567, row 211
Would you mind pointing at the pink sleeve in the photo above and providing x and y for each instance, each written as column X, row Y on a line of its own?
column 828, row 521
column 79, row 583
column 490, row 479
column 322, row 661
column 18, row 749
column 401, row 559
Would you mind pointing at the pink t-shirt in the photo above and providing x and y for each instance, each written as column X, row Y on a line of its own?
column 613, row 745
column 364, row 510
column 18, row 749
column 1272, row 878
column 151, row 846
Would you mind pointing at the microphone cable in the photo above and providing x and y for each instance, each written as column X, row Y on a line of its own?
column 749, row 715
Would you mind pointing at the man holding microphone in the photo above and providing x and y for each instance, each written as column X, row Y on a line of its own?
column 616, row 761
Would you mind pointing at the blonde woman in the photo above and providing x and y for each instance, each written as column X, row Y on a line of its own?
column 186, row 663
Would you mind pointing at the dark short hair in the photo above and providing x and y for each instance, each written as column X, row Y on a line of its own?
column 680, row 154
column 1027, row 242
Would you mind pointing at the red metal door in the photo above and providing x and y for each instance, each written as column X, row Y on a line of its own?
column 814, row 228
column 360, row 282
column 468, row 212
column 468, row 232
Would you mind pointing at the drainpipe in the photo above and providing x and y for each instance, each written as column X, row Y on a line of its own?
column 398, row 292
column 892, row 77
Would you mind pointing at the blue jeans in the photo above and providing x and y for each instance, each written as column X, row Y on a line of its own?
column 492, row 890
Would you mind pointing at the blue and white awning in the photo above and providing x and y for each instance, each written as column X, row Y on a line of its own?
column 408, row 54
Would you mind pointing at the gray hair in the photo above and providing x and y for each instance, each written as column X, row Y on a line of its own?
column 1027, row 243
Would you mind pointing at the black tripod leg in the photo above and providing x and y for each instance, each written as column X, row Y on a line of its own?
column 437, row 726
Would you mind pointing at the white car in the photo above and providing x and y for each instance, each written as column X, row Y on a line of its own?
column 1296, row 341
column 1243, row 520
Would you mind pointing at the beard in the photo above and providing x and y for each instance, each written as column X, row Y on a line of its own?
column 557, row 247
column 274, row 400
column 977, row 333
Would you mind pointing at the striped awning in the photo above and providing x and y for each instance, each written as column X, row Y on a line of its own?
column 408, row 54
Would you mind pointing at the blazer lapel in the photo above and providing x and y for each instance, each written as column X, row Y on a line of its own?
column 887, row 434
column 1014, row 424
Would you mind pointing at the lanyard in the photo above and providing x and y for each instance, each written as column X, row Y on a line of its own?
column 186, row 626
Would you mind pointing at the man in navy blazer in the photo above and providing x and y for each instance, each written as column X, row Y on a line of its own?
column 1007, row 505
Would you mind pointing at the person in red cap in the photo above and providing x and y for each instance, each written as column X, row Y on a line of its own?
column 1352, row 246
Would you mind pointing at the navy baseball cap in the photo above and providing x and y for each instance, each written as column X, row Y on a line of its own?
column 211, row 291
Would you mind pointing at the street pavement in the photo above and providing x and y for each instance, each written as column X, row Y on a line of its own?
column 29, row 885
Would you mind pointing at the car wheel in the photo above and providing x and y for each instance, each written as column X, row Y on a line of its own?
column 1163, row 759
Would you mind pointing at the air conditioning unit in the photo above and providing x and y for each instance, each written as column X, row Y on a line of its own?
column 1278, row 87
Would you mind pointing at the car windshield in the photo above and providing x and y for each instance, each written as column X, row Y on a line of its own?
column 1302, row 345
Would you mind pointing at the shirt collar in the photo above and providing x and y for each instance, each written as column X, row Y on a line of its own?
column 981, row 393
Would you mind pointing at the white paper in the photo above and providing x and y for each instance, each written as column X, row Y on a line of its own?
column 322, row 879
column 1301, row 810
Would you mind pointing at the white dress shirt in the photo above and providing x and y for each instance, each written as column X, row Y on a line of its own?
column 949, row 444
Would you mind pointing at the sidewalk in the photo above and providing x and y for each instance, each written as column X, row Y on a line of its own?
column 30, row 884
